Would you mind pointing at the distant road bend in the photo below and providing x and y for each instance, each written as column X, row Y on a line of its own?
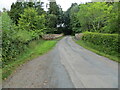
column 68, row 65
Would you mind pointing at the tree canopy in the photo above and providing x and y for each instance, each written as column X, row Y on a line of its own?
column 94, row 17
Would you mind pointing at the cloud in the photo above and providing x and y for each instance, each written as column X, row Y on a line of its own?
column 65, row 4
column 6, row 4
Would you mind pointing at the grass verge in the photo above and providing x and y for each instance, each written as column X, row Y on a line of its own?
column 35, row 49
column 94, row 49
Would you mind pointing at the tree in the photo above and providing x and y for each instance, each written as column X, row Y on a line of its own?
column 51, row 21
column 30, row 4
column 74, row 21
column 30, row 20
column 112, row 19
column 4, row 9
column 18, row 8
column 8, row 33
column 92, row 16
column 71, row 22
column 54, row 9
column 54, row 17
column 39, row 8
column 60, row 16
column 15, row 11
column 67, row 27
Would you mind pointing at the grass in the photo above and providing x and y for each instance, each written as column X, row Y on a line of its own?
column 97, row 50
column 35, row 49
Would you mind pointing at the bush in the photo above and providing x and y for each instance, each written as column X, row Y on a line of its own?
column 30, row 20
column 16, row 38
column 107, row 43
column 11, row 45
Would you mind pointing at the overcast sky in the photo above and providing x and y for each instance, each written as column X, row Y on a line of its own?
column 65, row 4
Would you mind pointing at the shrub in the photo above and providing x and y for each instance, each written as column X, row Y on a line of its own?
column 108, row 43
column 30, row 20
column 16, row 38
column 11, row 45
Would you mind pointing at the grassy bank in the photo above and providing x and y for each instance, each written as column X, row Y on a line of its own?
column 35, row 49
column 97, row 49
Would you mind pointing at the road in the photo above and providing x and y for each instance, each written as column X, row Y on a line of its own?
column 68, row 65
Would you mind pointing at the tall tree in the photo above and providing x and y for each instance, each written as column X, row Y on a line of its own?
column 53, row 8
column 70, row 19
column 74, row 22
column 92, row 16
column 54, row 17
column 15, row 11
column 51, row 21
column 39, row 8
column 30, row 20
column 112, row 19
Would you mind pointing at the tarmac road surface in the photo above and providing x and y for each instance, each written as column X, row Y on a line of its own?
column 68, row 65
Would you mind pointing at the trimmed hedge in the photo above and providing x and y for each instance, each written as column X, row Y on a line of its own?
column 107, row 43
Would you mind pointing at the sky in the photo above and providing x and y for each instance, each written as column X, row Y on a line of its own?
column 65, row 4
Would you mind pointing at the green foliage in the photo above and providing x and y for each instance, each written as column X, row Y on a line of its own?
column 34, row 49
column 71, row 21
column 16, row 9
column 112, row 19
column 97, row 49
column 74, row 21
column 23, row 36
column 108, row 42
column 51, row 23
column 54, row 9
column 39, row 8
column 11, row 46
column 25, row 23
column 94, row 17
column 30, row 20
column 16, row 38
column 54, row 17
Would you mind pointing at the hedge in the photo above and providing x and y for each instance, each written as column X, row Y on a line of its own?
column 14, row 40
column 108, row 43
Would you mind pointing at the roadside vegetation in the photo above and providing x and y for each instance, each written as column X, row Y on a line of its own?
column 100, row 17
column 24, row 25
column 34, row 49
column 99, row 24
column 22, row 30
column 103, row 44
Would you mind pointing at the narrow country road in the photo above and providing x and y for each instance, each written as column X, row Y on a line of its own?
column 68, row 65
